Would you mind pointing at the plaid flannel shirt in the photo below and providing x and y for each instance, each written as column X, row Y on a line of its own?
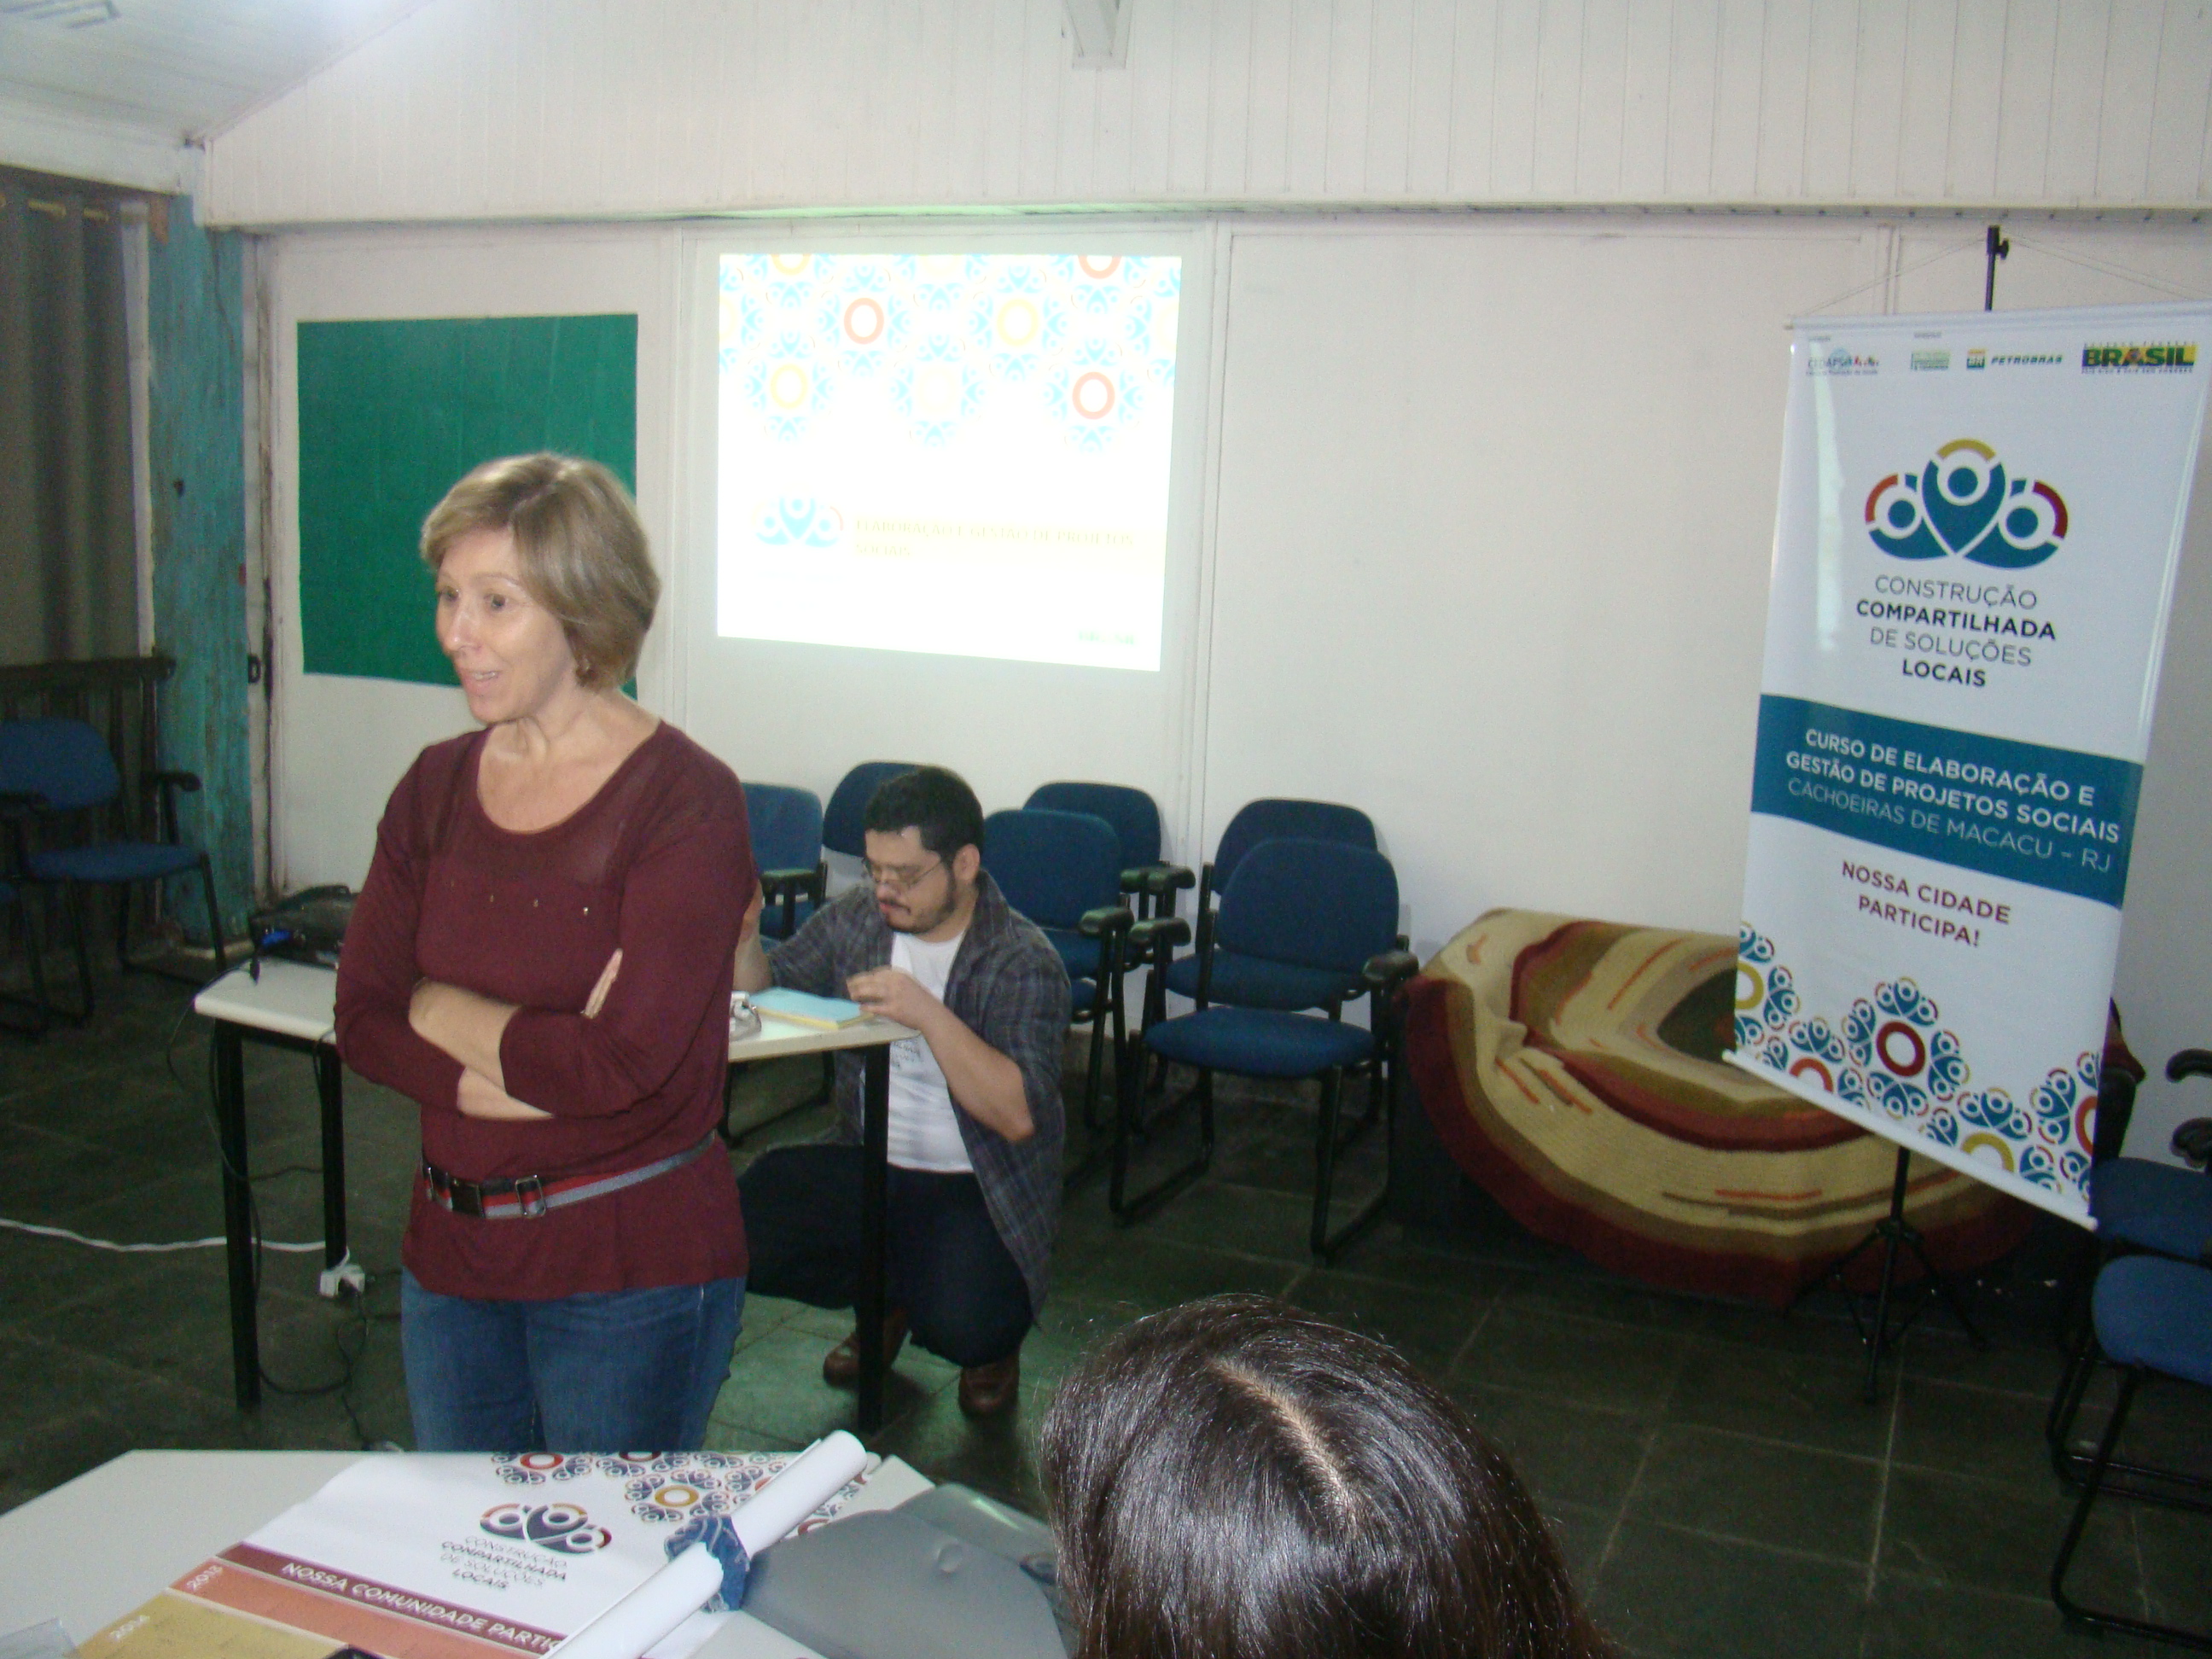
column 1008, row 987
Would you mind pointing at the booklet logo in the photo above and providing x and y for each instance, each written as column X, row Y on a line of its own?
column 1963, row 504
column 1840, row 362
column 564, row 1528
column 1923, row 362
column 2168, row 359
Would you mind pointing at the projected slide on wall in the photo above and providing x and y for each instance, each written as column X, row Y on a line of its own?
column 964, row 454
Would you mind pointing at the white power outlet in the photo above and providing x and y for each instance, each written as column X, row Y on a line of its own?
column 347, row 1275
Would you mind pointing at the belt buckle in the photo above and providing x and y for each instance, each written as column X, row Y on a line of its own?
column 530, row 1194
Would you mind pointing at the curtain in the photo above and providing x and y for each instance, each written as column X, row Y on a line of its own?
column 68, row 552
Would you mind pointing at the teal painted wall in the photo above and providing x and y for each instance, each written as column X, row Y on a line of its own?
column 197, row 432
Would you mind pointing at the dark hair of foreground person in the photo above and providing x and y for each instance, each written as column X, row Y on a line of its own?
column 1235, row 1479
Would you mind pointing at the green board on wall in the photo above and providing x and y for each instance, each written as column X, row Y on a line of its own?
column 391, row 414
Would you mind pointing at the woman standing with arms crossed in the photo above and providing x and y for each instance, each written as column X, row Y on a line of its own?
column 541, row 959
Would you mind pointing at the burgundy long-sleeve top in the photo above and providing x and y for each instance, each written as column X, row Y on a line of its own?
column 658, row 864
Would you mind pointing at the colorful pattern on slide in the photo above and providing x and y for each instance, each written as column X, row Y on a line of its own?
column 1572, row 1069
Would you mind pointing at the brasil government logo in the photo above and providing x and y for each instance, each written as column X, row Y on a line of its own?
column 1963, row 504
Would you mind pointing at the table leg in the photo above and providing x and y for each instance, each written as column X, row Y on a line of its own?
column 330, row 1085
column 237, row 1212
column 875, row 1142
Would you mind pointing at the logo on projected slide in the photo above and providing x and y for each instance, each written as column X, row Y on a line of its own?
column 788, row 384
column 1889, row 1057
column 564, row 1528
column 1964, row 504
column 937, row 391
column 799, row 521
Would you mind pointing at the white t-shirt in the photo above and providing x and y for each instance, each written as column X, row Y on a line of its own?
column 925, row 1134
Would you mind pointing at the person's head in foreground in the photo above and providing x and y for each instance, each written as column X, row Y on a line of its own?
column 924, row 833
column 1235, row 1479
column 545, row 589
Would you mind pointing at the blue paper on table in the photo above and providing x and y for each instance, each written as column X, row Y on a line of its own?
column 823, row 1013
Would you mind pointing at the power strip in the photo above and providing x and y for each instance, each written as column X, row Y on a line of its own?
column 347, row 1275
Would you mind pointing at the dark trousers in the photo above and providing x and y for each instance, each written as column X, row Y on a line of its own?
column 964, row 1297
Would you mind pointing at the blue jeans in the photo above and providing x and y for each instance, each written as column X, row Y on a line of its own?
column 618, row 1370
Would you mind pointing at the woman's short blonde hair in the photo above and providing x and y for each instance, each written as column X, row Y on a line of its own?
column 581, row 546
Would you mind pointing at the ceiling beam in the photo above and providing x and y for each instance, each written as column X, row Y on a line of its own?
column 1099, row 30
column 45, row 141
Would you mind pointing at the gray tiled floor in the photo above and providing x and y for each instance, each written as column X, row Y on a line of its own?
column 1715, row 1483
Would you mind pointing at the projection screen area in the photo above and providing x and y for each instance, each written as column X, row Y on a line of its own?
column 965, row 454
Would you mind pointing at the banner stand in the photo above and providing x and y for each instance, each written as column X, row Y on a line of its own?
column 1893, row 1229
column 1890, row 1233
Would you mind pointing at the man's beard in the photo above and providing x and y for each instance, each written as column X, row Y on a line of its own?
column 920, row 921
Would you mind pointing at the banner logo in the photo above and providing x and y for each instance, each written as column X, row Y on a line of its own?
column 2171, row 358
column 1840, row 362
column 1963, row 504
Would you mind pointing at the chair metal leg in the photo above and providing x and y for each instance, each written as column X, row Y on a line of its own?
column 2130, row 1380
column 2146, row 1483
column 39, row 1010
column 1327, row 1144
column 215, row 917
column 1129, row 1091
column 73, row 901
column 123, row 926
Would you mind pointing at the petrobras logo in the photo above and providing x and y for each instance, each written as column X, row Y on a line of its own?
column 1962, row 504
column 1978, row 358
column 2171, row 358
column 1837, row 360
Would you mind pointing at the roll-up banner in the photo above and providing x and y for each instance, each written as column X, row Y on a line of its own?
column 1980, row 520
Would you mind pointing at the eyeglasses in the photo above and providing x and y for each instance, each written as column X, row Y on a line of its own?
column 899, row 881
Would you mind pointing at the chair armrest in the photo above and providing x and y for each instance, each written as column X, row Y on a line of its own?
column 1164, row 932
column 21, row 803
column 187, row 782
column 1106, row 920
column 2189, row 1062
column 2192, row 1142
column 774, row 884
column 1386, row 972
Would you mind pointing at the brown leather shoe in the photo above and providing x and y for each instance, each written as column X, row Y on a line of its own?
column 989, row 1390
column 840, row 1366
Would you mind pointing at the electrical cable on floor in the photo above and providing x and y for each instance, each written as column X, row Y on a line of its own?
column 349, row 1351
column 174, row 1244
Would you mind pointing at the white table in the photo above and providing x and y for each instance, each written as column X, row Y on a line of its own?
column 293, row 1006
column 90, row 1552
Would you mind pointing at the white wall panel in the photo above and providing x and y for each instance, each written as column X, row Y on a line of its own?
column 1496, row 505
column 573, row 108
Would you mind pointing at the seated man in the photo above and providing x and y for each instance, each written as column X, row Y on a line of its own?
column 975, row 1118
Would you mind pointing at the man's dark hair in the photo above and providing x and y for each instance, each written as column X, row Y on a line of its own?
column 1237, row 1479
column 934, row 802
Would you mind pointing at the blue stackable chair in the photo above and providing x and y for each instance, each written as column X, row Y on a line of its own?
column 2152, row 1317
column 786, row 823
column 1325, row 909
column 1063, row 870
column 844, row 820
column 2141, row 1207
column 1232, row 975
column 1135, row 816
column 64, row 766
